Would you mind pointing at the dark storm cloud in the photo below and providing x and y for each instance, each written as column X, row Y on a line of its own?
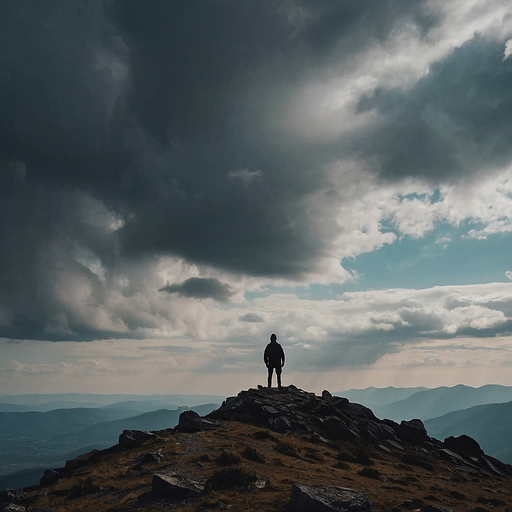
column 201, row 288
column 168, row 116
column 58, row 90
column 208, row 83
column 251, row 317
column 50, row 236
column 455, row 121
column 151, row 106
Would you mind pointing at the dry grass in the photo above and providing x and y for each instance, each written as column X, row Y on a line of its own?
column 387, row 478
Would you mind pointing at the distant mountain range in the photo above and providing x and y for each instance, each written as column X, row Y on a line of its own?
column 144, row 403
column 483, row 413
column 375, row 398
column 490, row 425
column 408, row 403
column 31, row 441
column 268, row 449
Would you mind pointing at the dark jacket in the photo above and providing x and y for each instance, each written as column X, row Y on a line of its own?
column 274, row 355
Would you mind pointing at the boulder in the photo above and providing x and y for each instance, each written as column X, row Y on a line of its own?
column 359, row 411
column 50, row 476
column 190, row 422
column 148, row 458
column 133, row 438
column 12, row 495
column 176, row 486
column 336, row 427
column 13, row 507
column 463, row 444
column 323, row 498
column 281, row 424
column 414, row 431
column 414, row 504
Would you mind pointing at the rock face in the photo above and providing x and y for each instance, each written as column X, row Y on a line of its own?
column 330, row 418
column 50, row 476
column 322, row 498
column 133, row 438
column 191, row 422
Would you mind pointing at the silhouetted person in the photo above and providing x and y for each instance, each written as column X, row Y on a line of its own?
column 274, row 359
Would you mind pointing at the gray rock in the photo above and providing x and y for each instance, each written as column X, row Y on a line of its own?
column 149, row 458
column 190, row 422
column 133, row 438
column 176, row 486
column 414, row 431
column 281, row 424
column 463, row 444
column 360, row 411
column 414, row 504
column 50, row 476
column 323, row 498
column 13, row 507
column 12, row 495
column 337, row 427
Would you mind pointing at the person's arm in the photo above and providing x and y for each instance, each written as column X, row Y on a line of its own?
column 265, row 356
column 282, row 356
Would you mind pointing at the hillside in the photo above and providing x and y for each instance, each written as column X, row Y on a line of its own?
column 490, row 424
column 106, row 434
column 32, row 440
column 261, row 446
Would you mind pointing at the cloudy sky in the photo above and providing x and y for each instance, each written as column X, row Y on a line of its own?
column 181, row 179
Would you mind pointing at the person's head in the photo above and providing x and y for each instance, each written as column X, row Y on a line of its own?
column 273, row 338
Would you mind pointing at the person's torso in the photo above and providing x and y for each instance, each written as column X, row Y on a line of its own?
column 274, row 352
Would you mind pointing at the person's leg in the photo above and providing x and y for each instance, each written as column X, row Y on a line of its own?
column 270, row 371
column 278, row 374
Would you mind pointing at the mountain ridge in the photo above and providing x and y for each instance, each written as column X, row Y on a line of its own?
column 257, row 447
column 489, row 423
column 427, row 403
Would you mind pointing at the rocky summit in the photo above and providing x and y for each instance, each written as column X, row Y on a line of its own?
column 329, row 418
column 283, row 450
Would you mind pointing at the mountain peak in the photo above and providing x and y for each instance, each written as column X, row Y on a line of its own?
column 332, row 418
column 275, row 449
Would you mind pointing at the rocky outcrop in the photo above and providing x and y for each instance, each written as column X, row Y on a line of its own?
column 191, row 422
column 463, row 444
column 327, row 427
column 331, row 418
column 132, row 438
column 323, row 498
column 50, row 476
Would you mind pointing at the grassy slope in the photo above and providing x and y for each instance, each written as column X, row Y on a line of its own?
column 114, row 484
